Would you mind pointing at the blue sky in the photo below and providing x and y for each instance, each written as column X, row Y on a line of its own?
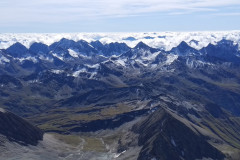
column 40, row 16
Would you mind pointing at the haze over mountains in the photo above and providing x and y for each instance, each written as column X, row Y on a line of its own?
column 132, row 96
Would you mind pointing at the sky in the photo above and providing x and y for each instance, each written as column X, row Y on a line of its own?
column 56, row 16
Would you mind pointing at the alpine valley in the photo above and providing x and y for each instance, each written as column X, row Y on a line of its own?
column 133, row 96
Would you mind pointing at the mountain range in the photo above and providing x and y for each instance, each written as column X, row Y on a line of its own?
column 112, row 101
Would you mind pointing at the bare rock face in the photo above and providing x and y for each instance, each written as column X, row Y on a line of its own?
column 18, row 130
column 165, row 137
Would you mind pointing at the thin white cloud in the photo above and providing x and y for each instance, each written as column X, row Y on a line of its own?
column 53, row 11
column 227, row 14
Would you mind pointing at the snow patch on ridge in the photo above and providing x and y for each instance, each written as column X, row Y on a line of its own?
column 59, row 57
column 76, row 73
column 2, row 110
column 57, row 71
column 96, row 66
column 150, row 56
column 73, row 53
column 121, row 62
column 46, row 58
column 3, row 60
column 33, row 59
column 173, row 142
column 171, row 58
